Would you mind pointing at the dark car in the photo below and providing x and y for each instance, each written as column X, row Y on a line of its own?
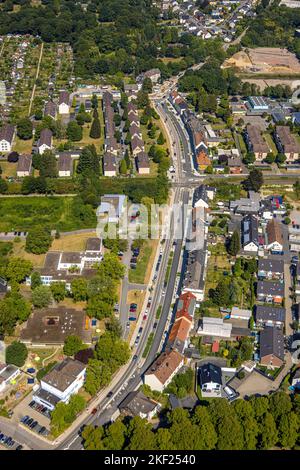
column 133, row 305
column 155, row 325
column 19, row 447
column 24, row 419
column 34, row 424
column 29, row 422
column 109, row 395
column 42, row 430
column 31, row 403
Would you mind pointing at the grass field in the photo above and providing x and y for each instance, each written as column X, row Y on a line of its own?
column 75, row 242
column 8, row 169
column 143, row 269
column 24, row 213
column 270, row 142
column 22, row 146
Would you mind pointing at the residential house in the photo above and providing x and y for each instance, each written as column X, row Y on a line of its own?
column 256, row 142
column 164, row 368
column 250, row 205
column 194, row 276
column 287, row 143
column 137, row 145
column 270, row 269
column 203, row 160
column 210, row 380
column 270, row 291
column 64, row 103
column 179, row 334
column 109, row 164
column 258, row 103
column 65, row 165
column 24, row 165
column 8, row 373
column 271, row 344
column 202, row 195
column 266, row 315
column 274, row 237
column 142, row 163
column 45, row 141
column 153, row 74
column 137, row 404
column 7, row 133
column 249, row 233
column 50, row 109
column 63, row 381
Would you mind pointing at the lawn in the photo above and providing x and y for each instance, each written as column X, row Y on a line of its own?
column 22, row 146
column 144, row 264
column 24, row 213
column 241, row 142
column 75, row 242
column 8, row 169
column 270, row 142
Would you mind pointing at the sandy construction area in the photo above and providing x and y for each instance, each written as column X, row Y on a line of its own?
column 270, row 60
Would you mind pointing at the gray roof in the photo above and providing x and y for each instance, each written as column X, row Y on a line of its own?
column 45, row 137
column 24, row 162
column 249, row 230
column 64, row 374
column 65, row 163
column 272, row 342
column 7, row 133
column 142, row 160
column 64, row 97
column 50, row 109
column 272, row 265
column 109, row 162
column 267, row 313
column 93, row 244
column 210, row 373
column 136, row 403
column 270, row 288
column 200, row 193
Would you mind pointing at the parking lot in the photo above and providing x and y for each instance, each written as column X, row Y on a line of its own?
column 7, row 443
column 23, row 409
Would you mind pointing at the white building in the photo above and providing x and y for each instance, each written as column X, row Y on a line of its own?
column 210, row 380
column 163, row 369
column 112, row 207
column 8, row 373
column 7, row 134
column 240, row 314
column 45, row 141
column 215, row 327
column 64, row 103
column 63, row 381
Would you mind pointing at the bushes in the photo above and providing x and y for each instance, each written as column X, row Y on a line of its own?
column 16, row 353
column 38, row 240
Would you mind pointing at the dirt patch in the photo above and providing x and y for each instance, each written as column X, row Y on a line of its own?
column 269, row 60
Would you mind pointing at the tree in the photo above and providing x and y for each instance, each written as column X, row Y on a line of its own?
column 24, row 129
column 161, row 139
column 94, row 101
column 268, row 435
column 16, row 353
column 35, row 280
column 288, row 428
column 41, row 296
column 123, row 167
column 234, row 245
column 18, row 269
column 147, row 85
column 140, row 435
column 95, row 131
column 270, row 158
column 38, row 240
column 98, row 374
column 72, row 345
column 89, row 161
column 74, row 131
column 79, row 289
column 115, row 436
column 249, row 158
column 58, row 290
column 48, row 165
column 280, row 158
column 254, row 181
column 207, row 435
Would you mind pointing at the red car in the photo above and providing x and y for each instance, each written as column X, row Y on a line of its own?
column 145, row 317
column 94, row 411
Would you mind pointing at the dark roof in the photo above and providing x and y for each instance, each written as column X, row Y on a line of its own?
column 65, row 163
column 64, row 374
column 265, row 313
column 45, row 137
column 84, row 355
column 109, row 162
column 249, row 230
column 64, row 97
column 136, row 403
column 273, row 265
column 270, row 288
column 24, row 162
column 272, row 342
column 93, row 244
column 200, row 193
column 136, row 142
column 210, row 373
column 50, row 109
column 7, row 133
column 142, row 160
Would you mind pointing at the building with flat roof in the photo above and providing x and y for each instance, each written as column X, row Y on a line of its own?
column 258, row 103
column 8, row 373
column 215, row 327
column 112, row 206
column 51, row 326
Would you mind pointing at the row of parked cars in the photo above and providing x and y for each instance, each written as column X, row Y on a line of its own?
column 134, row 258
column 8, row 441
column 40, row 408
column 34, row 425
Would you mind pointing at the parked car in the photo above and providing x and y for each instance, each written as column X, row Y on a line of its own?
column 29, row 422
column 94, row 411
column 24, row 419
column 19, row 447
column 140, row 330
column 109, row 395
column 133, row 305
column 145, row 317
